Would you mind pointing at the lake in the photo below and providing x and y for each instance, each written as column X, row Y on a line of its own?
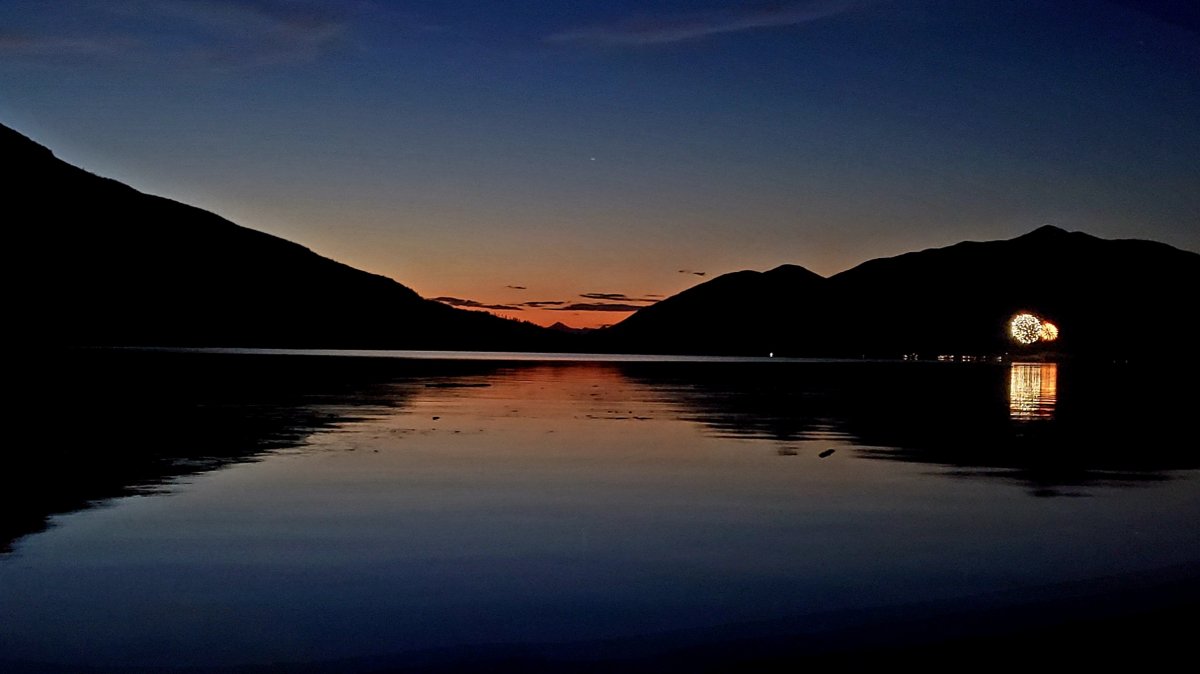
column 372, row 512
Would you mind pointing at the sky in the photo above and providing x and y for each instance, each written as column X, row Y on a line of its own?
column 555, row 160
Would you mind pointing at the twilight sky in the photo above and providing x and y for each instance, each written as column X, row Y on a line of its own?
column 599, row 154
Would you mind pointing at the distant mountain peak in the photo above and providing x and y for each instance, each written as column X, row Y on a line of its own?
column 563, row 327
column 1047, row 232
column 794, row 270
column 1048, row 228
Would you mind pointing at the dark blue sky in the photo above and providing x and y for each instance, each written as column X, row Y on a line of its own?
column 602, row 147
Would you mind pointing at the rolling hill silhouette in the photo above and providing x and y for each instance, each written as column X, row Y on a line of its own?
column 745, row 312
column 102, row 264
column 1110, row 298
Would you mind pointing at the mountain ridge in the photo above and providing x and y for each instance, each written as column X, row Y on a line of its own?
column 105, row 264
column 955, row 299
column 100, row 263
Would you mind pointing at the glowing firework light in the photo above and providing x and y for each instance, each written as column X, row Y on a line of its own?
column 1026, row 328
column 1048, row 332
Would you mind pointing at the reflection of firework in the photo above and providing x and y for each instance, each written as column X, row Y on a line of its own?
column 1026, row 328
column 1048, row 332
column 1032, row 390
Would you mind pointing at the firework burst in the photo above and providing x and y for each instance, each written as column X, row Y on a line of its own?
column 1025, row 328
column 1048, row 332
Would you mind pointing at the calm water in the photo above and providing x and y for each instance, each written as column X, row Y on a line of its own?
column 219, row 509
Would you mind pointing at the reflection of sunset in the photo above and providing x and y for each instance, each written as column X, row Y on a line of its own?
column 1032, row 390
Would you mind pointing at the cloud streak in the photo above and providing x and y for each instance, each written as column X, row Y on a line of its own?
column 598, row 306
column 256, row 32
column 555, row 305
column 695, row 26
column 616, row 297
column 472, row 304
column 213, row 32
column 541, row 304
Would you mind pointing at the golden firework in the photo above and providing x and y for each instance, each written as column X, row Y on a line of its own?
column 1048, row 332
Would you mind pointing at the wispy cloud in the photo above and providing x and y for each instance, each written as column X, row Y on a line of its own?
column 552, row 305
column 616, row 297
column 472, row 304
column 214, row 32
column 693, row 273
column 541, row 304
column 598, row 306
column 647, row 30
column 623, row 303
column 255, row 32
column 516, row 287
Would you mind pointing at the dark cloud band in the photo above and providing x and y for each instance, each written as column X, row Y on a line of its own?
column 472, row 304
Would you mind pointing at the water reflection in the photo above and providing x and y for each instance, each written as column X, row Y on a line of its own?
column 973, row 421
column 1032, row 390
column 408, row 510
column 115, row 423
column 110, row 423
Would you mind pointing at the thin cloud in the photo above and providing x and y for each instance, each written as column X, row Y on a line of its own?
column 257, row 32
column 598, row 306
column 695, row 26
column 472, row 304
column 516, row 287
column 212, row 32
column 616, row 297
column 693, row 273
column 541, row 304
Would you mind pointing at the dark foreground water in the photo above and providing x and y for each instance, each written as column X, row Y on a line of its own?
column 215, row 510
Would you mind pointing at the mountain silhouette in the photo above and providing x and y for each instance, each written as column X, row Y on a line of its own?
column 1109, row 298
column 742, row 312
column 102, row 264
column 1120, row 298
column 98, row 263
